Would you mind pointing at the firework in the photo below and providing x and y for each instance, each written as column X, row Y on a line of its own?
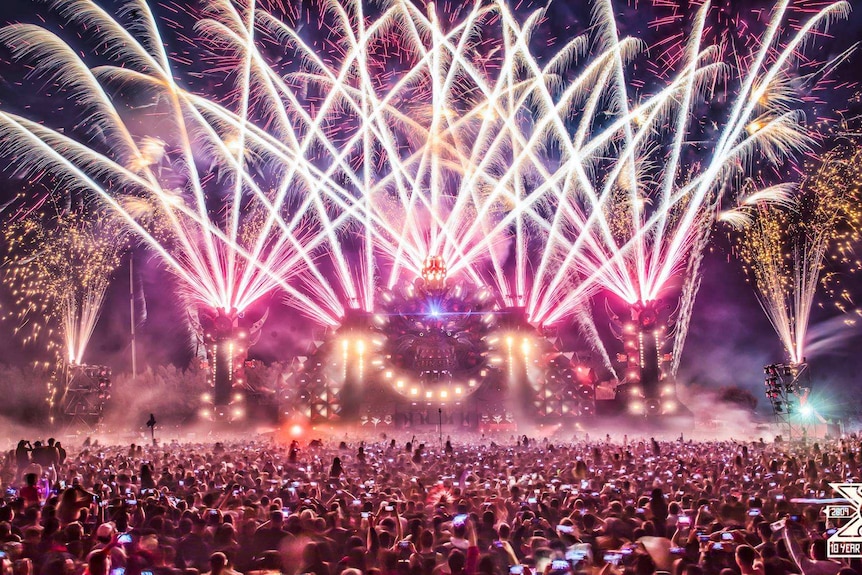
column 57, row 269
column 785, row 250
column 202, row 217
column 351, row 148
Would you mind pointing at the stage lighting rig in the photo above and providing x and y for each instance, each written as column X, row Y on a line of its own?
column 786, row 386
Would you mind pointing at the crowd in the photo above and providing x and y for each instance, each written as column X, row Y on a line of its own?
column 516, row 507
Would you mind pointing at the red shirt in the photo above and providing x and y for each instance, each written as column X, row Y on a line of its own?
column 30, row 495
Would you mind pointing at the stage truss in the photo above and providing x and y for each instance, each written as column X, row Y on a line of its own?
column 787, row 388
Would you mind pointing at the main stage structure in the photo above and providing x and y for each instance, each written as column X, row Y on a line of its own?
column 438, row 347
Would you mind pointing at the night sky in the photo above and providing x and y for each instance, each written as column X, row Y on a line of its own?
column 730, row 338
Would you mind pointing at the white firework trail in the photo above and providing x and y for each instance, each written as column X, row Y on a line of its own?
column 344, row 159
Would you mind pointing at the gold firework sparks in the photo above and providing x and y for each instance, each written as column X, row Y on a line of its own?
column 789, row 251
column 57, row 267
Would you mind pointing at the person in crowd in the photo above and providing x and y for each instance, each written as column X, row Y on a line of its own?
column 476, row 505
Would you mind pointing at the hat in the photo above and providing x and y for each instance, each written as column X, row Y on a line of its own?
column 105, row 531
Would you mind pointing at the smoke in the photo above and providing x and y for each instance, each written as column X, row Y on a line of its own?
column 716, row 419
column 25, row 390
column 172, row 393
column 832, row 336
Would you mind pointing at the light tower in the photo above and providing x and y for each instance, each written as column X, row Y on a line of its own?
column 227, row 335
column 648, row 391
column 787, row 388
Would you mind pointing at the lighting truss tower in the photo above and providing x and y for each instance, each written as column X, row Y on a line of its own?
column 87, row 390
column 787, row 388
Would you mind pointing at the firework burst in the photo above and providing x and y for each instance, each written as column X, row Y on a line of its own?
column 356, row 142
column 790, row 251
column 57, row 268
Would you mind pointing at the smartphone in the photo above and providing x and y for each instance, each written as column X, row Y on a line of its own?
column 389, row 508
column 213, row 511
column 146, row 572
column 703, row 537
column 182, row 483
column 516, row 570
column 718, row 546
column 565, row 528
column 612, row 557
column 727, row 536
column 779, row 497
column 754, row 512
column 640, row 510
column 677, row 550
column 364, row 515
column 404, row 544
column 795, row 518
column 559, row 565
column 684, row 520
column 131, row 502
column 118, row 571
column 125, row 538
column 498, row 544
column 459, row 520
column 357, row 502
column 575, row 555
column 532, row 500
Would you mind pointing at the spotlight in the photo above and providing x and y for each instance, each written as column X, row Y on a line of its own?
column 806, row 410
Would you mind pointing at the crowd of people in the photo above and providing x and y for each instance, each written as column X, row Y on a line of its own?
column 508, row 507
